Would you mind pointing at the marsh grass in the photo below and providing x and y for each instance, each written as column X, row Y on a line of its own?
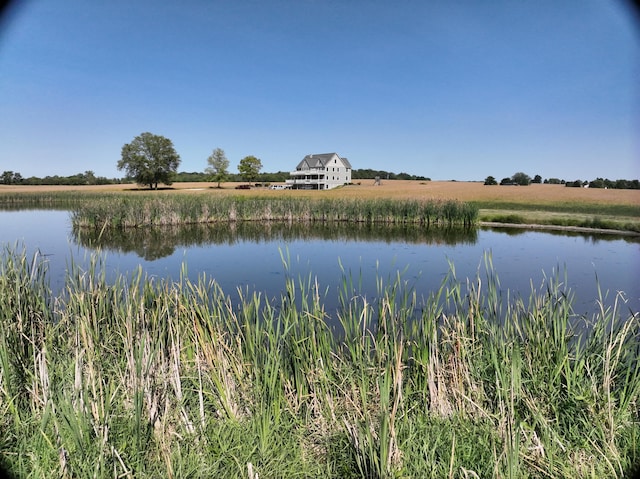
column 145, row 378
column 121, row 211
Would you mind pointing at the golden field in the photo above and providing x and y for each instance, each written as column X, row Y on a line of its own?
column 401, row 189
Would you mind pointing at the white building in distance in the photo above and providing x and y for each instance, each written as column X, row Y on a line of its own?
column 320, row 172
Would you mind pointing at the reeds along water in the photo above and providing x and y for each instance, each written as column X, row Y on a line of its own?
column 123, row 211
column 149, row 378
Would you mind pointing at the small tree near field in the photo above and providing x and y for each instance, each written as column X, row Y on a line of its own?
column 490, row 180
column 249, row 167
column 218, row 166
column 150, row 159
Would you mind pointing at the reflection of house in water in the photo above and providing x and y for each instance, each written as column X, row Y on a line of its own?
column 320, row 172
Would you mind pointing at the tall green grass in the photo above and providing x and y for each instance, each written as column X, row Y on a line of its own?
column 121, row 211
column 145, row 378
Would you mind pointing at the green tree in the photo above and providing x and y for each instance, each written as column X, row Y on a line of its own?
column 150, row 159
column 249, row 167
column 597, row 183
column 521, row 179
column 537, row 179
column 218, row 166
column 7, row 177
column 490, row 180
column 90, row 177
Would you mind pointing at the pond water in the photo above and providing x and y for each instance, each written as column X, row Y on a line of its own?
column 250, row 256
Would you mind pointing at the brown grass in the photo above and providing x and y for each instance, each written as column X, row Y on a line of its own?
column 400, row 189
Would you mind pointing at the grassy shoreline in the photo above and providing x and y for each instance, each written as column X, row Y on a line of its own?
column 148, row 378
column 553, row 205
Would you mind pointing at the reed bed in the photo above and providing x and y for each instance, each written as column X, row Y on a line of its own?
column 120, row 211
column 145, row 378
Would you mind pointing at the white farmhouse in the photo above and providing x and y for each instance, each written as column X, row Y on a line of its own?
column 320, row 172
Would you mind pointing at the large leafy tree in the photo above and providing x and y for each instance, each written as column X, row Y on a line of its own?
column 150, row 159
column 218, row 166
column 249, row 167
column 521, row 179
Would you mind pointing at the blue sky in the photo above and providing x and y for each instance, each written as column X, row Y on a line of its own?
column 445, row 89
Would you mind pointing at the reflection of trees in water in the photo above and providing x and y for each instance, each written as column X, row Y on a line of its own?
column 148, row 243
column 157, row 242
column 592, row 237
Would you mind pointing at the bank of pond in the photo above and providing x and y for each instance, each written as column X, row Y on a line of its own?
column 145, row 377
column 120, row 209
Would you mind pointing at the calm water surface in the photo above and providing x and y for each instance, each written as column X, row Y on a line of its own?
column 251, row 257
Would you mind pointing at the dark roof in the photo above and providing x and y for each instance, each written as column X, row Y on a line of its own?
column 320, row 160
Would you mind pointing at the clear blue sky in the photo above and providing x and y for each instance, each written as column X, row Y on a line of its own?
column 445, row 89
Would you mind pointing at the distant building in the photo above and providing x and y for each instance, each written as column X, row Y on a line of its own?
column 320, row 172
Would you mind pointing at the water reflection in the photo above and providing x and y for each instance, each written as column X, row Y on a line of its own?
column 249, row 255
column 592, row 237
column 158, row 242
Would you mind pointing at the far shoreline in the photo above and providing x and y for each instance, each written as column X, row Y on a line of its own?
column 575, row 229
column 556, row 206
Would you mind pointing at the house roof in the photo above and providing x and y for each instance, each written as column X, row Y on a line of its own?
column 320, row 160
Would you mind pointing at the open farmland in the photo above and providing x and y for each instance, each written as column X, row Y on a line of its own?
column 401, row 189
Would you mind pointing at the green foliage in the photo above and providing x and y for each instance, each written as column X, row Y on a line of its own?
column 249, row 167
column 575, row 184
column 554, row 181
column 191, row 177
column 369, row 174
column 145, row 378
column 521, row 179
column 150, row 159
column 218, row 166
column 618, row 184
column 10, row 178
column 490, row 181
column 507, row 219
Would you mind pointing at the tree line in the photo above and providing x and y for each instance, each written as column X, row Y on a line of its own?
column 522, row 179
column 152, row 159
column 86, row 178
column 89, row 178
